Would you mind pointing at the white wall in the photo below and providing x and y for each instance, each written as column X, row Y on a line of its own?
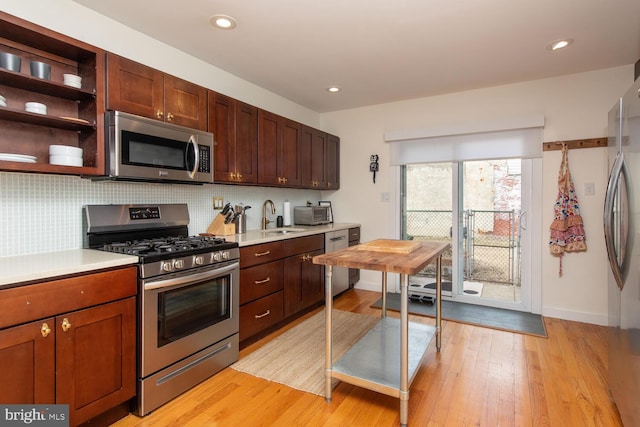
column 574, row 107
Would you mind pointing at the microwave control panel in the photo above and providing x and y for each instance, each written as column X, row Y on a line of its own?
column 205, row 158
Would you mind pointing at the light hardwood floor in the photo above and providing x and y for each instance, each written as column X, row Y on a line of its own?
column 481, row 377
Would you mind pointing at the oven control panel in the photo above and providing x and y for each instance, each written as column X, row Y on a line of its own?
column 189, row 262
column 151, row 212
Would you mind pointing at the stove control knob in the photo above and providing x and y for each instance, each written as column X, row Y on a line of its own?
column 225, row 255
column 198, row 260
column 167, row 266
column 217, row 256
column 179, row 263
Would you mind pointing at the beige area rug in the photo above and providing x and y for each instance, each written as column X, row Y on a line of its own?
column 296, row 358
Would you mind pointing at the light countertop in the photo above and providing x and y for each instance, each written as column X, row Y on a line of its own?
column 28, row 268
column 254, row 237
column 20, row 269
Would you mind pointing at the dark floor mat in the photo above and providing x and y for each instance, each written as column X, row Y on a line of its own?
column 496, row 318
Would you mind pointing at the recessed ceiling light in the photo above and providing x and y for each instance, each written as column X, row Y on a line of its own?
column 333, row 89
column 559, row 44
column 224, row 22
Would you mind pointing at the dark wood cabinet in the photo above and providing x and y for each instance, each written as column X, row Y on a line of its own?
column 74, row 116
column 27, row 358
column 81, row 349
column 332, row 162
column 304, row 280
column 234, row 125
column 261, row 284
column 278, row 150
column 137, row 89
column 277, row 281
column 313, row 158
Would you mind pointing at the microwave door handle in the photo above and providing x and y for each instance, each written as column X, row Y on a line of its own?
column 196, row 152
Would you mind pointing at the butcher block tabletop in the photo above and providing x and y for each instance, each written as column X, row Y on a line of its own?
column 393, row 256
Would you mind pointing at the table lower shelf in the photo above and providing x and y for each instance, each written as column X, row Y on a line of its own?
column 374, row 361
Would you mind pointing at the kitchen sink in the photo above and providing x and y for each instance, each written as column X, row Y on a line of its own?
column 283, row 230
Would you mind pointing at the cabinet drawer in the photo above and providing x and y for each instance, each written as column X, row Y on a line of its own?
column 354, row 236
column 31, row 302
column 260, row 280
column 260, row 254
column 260, row 314
column 304, row 244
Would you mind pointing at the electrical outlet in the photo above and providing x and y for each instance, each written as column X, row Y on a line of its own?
column 589, row 188
column 218, row 202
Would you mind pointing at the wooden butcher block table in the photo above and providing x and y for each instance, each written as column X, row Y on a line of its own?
column 387, row 357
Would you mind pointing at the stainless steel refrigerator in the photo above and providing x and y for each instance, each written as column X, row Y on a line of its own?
column 621, row 224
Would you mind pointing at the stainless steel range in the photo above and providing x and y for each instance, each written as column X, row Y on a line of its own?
column 188, row 305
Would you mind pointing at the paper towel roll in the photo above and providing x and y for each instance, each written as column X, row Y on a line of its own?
column 286, row 214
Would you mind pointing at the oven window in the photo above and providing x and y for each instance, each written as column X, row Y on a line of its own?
column 186, row 310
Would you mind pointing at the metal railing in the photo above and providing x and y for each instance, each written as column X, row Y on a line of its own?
column 491, row 241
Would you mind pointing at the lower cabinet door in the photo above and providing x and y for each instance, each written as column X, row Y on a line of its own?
column 303, row 282
column 95, row 358
column 260, row 314
column 27, row 363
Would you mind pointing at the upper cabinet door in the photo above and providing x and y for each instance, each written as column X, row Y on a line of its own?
column 137, row 89
column 278, row 150
column 234, row 125
column 333, row 162
column 313, row 158
column 246, row 142
column 134, row 88
column 185, row 103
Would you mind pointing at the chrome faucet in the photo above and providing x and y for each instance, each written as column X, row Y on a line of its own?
column 265, row 221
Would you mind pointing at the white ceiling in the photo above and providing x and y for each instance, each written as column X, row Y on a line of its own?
column 380, row 51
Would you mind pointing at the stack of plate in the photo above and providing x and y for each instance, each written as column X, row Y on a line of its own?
column 65, row 155
column 72, row 80
column 3, row 101
column 35, row 107
column 8, row 157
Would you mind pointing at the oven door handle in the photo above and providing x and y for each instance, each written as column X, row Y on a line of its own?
column 191, row 278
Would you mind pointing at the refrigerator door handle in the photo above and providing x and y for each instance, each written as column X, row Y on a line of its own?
column 619, row 262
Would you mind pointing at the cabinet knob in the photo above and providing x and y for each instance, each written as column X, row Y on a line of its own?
column 232, row 175
column 66, row 325
column 159, row 114
column 45, row 330
column 239, row 175
column 169, row 117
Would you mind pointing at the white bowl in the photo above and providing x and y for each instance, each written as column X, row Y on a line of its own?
column 35, row 105
column 65, row 150
column 65, row 160
column 73, row 84
column 36, row 110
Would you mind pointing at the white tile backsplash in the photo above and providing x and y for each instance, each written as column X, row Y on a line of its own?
column 43, row 213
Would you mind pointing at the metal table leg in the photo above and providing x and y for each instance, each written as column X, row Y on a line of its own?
column 438, row 301
column 328, row 359
column 404, row 349
column 384, row 294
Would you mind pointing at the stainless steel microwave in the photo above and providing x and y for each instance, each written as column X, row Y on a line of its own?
column 311, row 215
column 142, row 149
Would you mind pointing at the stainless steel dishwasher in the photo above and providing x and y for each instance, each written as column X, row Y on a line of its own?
column 333, row 241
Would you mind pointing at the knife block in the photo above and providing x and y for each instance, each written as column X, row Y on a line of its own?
column 218, row 227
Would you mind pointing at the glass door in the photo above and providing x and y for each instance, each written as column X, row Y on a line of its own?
column 477, row 206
